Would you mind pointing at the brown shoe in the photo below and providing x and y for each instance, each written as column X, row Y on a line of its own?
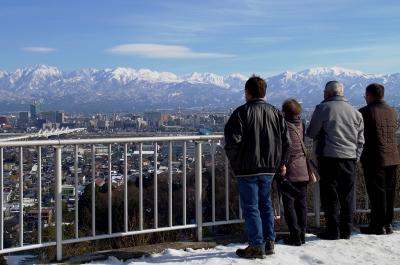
column 251, row 252
column 269, row 247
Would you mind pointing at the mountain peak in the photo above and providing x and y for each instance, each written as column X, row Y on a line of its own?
column 336, row 71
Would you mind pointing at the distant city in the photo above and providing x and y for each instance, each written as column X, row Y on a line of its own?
column 174, row 121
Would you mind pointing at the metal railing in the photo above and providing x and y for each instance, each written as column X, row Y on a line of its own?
column 57, row 146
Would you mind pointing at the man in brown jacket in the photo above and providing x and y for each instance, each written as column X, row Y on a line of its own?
column 379, row 159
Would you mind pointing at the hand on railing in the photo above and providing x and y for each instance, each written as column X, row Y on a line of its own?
column 282, row 170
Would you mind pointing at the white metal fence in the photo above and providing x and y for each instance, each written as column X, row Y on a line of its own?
column 198, row 141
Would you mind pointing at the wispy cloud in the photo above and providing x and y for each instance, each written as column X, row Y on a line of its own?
column 38, row 49
column 151, row 50
column 344, row 50
column 266, row 40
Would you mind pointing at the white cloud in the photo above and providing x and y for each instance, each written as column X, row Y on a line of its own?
column 267, row 40
column 344, row 50
column 38, row 49
column 151, row 50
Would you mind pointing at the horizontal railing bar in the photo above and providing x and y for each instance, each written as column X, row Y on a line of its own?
column 130, row 233
column 110, row 140
column 237, row 221
column 27, row 247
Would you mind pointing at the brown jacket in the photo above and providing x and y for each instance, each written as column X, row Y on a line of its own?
column 380, row 125
column 297, row 164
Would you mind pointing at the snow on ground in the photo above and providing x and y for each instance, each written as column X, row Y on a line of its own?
column 360, row 249
column 17, row 259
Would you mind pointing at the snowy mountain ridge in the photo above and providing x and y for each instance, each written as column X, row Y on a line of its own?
column 124, row 88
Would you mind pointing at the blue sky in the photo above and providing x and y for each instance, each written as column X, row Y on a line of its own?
column 224, row 36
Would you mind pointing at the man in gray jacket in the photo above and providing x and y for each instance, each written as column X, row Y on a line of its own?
column 338, row 129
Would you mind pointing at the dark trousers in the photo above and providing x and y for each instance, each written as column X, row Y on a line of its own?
column 295, row 209
column 381, row 185
column 337, row 193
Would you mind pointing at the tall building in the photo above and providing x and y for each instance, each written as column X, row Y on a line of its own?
column 153, row 118
column 23, row 119
column 34, row 110
column 49, row 116
column 60, row 117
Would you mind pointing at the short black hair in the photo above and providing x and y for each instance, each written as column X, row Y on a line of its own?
column 256, row 86
column 376, row 90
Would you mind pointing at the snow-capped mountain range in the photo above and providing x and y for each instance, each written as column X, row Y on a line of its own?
column 127, row 89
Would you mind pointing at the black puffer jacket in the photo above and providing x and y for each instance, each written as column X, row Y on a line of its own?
column 256, row 139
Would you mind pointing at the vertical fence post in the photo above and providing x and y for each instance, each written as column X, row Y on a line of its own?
column 141, row 186
column 170, row 184
column 199, row 207
column 226, row 188
column 58, row 197
column 213, row 181
column 21, row 196
column 93, row 189
column 126, row 187
column 317, row 208
column 155, row 180
column 109, row 193
column 184, row 184
column 39, row 196
column 76, row 162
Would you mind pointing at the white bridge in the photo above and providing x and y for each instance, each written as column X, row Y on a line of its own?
column 44, row 134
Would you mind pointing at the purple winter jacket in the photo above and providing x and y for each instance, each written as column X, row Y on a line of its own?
column 297, row 166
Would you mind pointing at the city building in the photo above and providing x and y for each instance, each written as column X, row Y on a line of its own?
column 23, row 119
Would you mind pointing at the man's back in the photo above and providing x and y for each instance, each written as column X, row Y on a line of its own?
column 380, row 134
column 338, row 128
column 256, row 138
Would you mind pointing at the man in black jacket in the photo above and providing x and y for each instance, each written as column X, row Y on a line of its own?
column 379, row 159
column 256, row 144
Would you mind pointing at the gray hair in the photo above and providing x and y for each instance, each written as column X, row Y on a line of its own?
column 335, row 88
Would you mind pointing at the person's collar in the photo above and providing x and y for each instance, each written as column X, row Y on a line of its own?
column 335, row 98
column 293, row 119
column 255, row 99
column 377, row 101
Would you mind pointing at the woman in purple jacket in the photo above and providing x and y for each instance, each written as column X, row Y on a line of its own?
column 295, row 200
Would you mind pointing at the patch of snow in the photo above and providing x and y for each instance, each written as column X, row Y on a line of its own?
column 207, row 78
column 17, row 259
column 360, row 249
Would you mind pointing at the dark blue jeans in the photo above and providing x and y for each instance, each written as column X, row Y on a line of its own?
column 255, row 200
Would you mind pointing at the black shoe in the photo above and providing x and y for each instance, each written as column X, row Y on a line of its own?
column 291, row 242
column 345, row 232
column 389, row 229
column 345, row 236
column 303, row 237
column 369, row 230
column 251, row 253
column 327, row 236
column 269, row 247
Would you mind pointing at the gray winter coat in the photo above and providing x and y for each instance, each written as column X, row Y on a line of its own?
column 338, row 128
